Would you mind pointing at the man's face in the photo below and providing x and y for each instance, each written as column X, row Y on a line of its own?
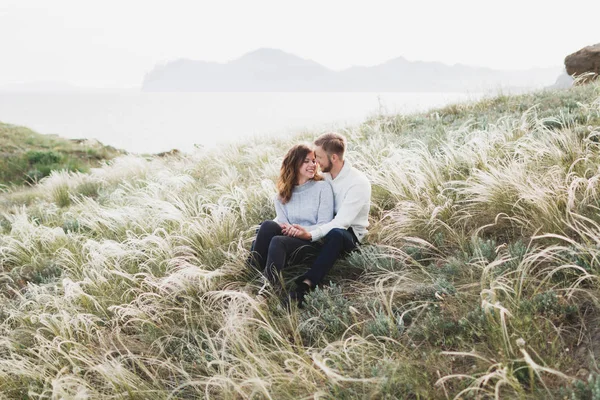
column 323, row 159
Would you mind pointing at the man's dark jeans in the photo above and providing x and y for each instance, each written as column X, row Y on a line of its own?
column 271, row 250
column 335, row 243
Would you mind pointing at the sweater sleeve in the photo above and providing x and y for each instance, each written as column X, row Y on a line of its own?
column 325, row 211
column 281, row 217
column 356, row 198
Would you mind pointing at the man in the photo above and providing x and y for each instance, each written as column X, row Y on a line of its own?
column 352, row 201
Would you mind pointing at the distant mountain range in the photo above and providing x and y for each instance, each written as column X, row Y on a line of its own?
column 272, row 70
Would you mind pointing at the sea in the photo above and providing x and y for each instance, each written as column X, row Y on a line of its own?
column 148, row 123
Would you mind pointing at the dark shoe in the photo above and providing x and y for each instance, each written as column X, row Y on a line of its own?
column 297, row 295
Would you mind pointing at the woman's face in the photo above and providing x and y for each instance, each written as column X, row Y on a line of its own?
column 308, row 168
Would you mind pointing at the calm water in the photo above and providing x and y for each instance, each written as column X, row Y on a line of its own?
column 154, row 122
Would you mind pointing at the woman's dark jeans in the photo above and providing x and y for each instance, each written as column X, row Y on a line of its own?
column 271, row 250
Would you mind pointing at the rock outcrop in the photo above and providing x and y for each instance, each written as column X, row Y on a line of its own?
column 585, row 61
column 170, row 153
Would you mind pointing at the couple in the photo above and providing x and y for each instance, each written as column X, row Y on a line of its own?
column 318, row 217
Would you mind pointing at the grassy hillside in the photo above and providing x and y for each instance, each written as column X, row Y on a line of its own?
column 479, row 278
column 27, row 156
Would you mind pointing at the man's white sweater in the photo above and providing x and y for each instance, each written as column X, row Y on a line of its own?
column 352, row 201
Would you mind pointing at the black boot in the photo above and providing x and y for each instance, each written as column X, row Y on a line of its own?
column 298, row 295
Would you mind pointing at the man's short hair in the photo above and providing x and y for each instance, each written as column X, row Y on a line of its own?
column 332, row 143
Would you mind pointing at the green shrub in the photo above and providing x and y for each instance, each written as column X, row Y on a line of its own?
column 440, row 287
column 474, row 324
column 61, row 195
column 41, row 271
column 43, row 157
column 88, row 189
column 586, row 261
column 34, row 175
column 383, row 324
column 326, row 313
column 371, row 258
column 71, row 225
column 589, row 390
column 550, row 305
column 5, row 225
column 482, row 249
column 453, row 266
column 438, row 329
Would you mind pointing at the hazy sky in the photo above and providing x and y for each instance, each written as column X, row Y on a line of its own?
column 113, row 43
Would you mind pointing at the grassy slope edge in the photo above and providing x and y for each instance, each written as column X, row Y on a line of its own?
column 27, row 156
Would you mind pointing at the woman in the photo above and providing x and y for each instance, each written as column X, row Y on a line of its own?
column 303, row 198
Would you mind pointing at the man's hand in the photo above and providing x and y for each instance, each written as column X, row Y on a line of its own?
column 296, row 231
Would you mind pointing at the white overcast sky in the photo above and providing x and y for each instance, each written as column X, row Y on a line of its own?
column 112, row 43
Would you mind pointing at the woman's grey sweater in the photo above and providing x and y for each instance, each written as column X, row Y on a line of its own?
column 311, row 205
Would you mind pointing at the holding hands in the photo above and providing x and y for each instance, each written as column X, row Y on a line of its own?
column 295, row 230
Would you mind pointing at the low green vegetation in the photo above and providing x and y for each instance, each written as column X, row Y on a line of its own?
column 27, row 156
column 479, row 277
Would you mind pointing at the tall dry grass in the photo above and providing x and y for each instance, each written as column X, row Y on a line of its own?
column 479, row 277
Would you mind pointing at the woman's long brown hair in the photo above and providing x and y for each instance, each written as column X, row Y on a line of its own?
column 288, row 174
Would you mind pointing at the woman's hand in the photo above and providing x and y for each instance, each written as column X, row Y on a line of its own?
column 297, row 231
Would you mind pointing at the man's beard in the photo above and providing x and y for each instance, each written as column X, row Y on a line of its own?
column 328, row 167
